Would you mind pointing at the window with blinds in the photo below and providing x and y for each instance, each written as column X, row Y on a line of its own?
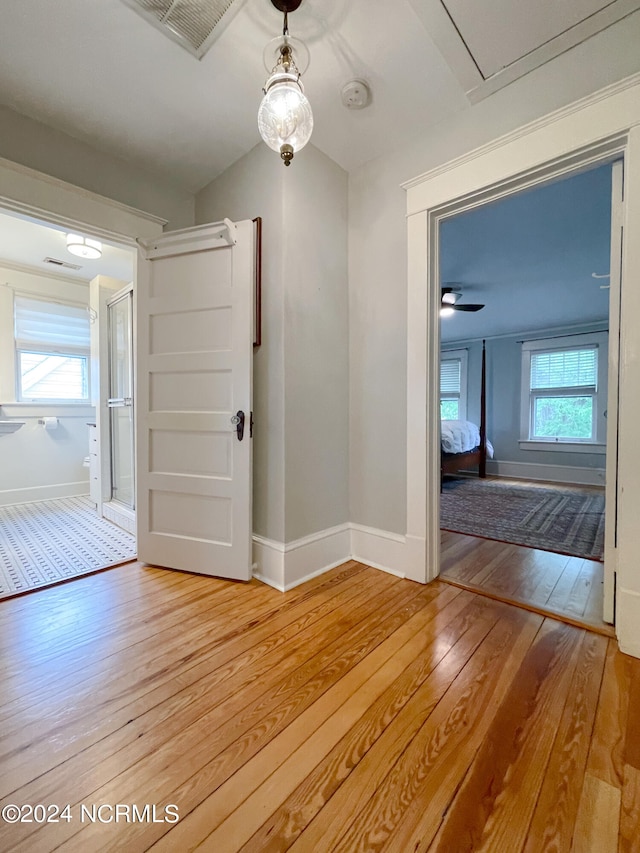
column 453, row 390
column 52, row 351
column 576, row 368
column 562, row 390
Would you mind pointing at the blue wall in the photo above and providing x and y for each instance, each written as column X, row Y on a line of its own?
column 504, row 363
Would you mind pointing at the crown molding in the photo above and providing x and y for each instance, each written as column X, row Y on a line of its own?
column 526, row 129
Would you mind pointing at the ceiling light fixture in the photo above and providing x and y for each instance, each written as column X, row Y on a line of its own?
column 285, row 120
column 84, row 247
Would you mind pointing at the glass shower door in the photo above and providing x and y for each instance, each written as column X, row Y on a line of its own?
column 120, row 400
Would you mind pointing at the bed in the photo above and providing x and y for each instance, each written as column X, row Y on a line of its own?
column 464, row 444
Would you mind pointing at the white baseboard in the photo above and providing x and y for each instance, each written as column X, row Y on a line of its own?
column 43, row 493
column 627, row 621
column 552, row 473
column 285, row 566
column 379, row 548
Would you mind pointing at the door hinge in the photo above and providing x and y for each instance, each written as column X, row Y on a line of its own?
column 250, row 424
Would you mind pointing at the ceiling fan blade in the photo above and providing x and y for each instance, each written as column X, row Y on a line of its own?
column 469, row 307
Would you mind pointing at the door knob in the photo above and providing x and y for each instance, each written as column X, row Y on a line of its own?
column 238, row 421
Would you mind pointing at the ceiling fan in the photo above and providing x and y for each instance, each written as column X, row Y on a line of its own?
column 449, row 302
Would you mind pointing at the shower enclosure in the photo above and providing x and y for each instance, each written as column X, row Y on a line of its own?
column 120, row 401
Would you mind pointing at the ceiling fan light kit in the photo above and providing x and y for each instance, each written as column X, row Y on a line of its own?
column 285, row 119
column 449, row 303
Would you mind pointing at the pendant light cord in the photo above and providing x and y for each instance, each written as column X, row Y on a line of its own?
column 285, row 29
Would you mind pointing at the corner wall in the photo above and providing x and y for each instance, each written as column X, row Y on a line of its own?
column 300, row 501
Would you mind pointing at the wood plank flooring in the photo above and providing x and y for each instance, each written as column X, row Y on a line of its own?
column 358, row 712
column 569, row 588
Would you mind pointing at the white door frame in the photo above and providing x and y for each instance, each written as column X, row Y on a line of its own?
column 600, row 128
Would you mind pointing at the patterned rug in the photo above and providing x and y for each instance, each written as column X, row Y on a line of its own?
column 49, row 541
column 567, row 521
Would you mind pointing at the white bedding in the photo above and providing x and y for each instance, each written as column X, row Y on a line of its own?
column 461, row 436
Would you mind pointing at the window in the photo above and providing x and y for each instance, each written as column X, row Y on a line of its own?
column 52, row 351
column 564, row 383
column 453, row 385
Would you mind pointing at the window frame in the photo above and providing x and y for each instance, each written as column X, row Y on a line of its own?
column 461, row 355
column 597, row 442
column 46, row 348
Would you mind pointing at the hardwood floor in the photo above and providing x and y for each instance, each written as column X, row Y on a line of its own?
column 358, row 712
column 569, row 588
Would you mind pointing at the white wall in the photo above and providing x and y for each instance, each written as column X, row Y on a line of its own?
column 249, row 188
column 36, row 464
column 301, row 369
column 316, row 326
column 378, row 257
column 54, row 153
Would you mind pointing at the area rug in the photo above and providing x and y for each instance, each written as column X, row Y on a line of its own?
column 50, row 541
column 565, row 521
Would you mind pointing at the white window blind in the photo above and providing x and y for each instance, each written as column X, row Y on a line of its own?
column 51, row 327
column 450, row 376
column 577, row 368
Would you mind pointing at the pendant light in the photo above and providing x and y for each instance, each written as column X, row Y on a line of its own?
column 285, row 120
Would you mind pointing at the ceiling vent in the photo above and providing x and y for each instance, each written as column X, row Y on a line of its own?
column 194, row 24
column 56, row 262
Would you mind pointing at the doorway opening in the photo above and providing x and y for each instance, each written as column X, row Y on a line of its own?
column 525, row 283
column 58, row 448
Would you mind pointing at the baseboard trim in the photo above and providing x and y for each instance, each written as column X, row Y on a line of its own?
column 43, row 493
column 287, row 565
column 627, row 621
column 568, row 474
column 380, row 549
column 268, row 561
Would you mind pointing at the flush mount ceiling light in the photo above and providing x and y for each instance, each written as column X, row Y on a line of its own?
column 285, row 120
column 84, row 247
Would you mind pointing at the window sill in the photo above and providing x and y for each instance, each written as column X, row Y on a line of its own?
column 565, row 446
column 39, row 410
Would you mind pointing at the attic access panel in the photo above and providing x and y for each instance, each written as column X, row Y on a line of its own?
column 194, row 24
column 488, row 45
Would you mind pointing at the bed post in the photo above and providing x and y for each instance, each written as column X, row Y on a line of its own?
column 482, row 468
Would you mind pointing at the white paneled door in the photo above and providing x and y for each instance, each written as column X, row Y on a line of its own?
column 195, row 308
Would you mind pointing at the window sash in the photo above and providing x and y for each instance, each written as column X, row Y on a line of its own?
column 44, row 383
column 588, row 380
column 534, row 435
column 566, row 368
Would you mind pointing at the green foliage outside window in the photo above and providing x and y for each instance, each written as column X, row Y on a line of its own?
column 563, row 417
column 449, row 410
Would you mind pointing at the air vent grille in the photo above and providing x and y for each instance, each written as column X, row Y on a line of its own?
column 189, row 22
column 56, row 262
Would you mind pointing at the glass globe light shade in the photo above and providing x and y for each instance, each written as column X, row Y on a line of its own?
column 446, row 311
column 285, row 119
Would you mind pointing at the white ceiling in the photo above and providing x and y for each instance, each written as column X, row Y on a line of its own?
column 97, row 70
column 100, row 72
column 26, row 242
